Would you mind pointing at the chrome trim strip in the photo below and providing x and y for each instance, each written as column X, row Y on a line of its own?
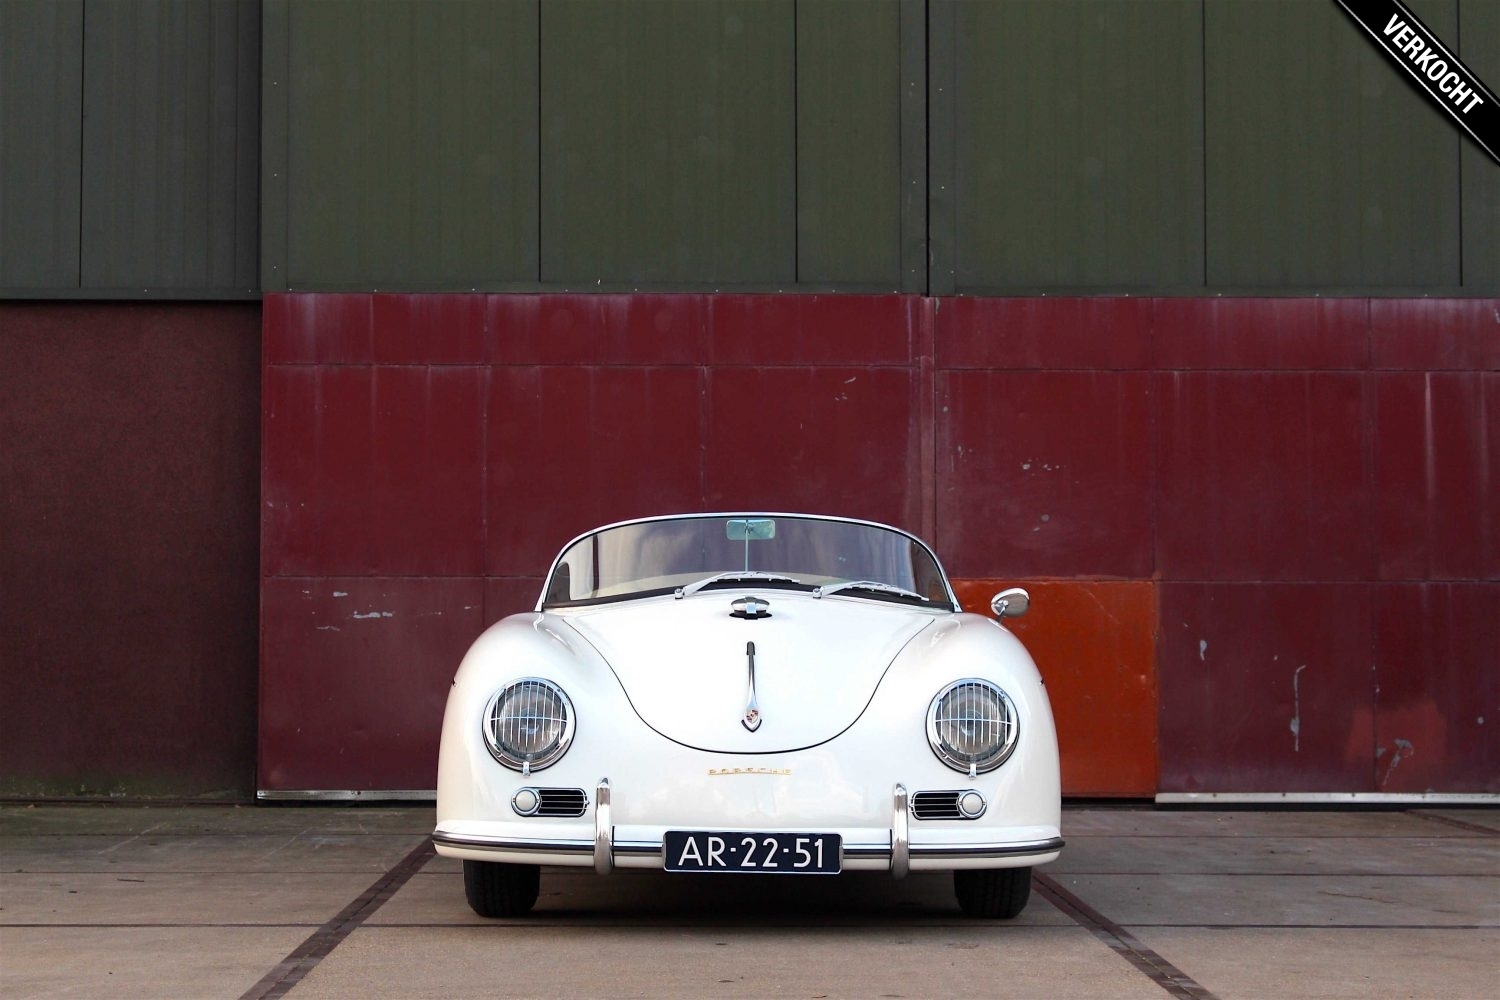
column 989, row 850
column 638, row 848
column 900, row 837
column 507, row 845
column 604, row 831
column 880, row 851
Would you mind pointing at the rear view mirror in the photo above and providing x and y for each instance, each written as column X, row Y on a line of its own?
column 1011, row 603
column 747, row 529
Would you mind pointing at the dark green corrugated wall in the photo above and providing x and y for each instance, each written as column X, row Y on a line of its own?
column 1479, row 188
column 41, row 106
column 1330, row 171
column 1076, row 136
column 129, row 147
column 593, row 144
column 218, row 147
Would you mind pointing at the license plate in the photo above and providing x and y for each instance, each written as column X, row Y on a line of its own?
column 767, row 853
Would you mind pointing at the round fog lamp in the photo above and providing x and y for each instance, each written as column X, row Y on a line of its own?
column 971, row 804
column 526, row 802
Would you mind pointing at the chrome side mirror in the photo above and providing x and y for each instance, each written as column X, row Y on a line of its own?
column 1010, row 603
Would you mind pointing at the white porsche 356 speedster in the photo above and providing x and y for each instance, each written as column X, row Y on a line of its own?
column 753, row 693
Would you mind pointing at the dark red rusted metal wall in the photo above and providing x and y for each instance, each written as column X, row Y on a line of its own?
column 129, row 437
column 1261, row 531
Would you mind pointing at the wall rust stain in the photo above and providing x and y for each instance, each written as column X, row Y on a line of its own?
column 1094, row 642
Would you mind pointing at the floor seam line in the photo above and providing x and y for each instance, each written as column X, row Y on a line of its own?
column 1460, row 824
column 320, row 944
column 1161, row 972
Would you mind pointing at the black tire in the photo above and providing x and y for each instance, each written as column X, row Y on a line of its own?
column 499, row 890
column 992, row 892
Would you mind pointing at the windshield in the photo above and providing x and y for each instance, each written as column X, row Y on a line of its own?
column 781, row 552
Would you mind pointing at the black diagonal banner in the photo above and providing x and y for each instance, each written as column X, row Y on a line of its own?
column 1408, row 43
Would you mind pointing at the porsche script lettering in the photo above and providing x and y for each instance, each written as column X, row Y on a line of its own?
column 716, row 772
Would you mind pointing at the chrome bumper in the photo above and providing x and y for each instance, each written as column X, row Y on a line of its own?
column 604, row 849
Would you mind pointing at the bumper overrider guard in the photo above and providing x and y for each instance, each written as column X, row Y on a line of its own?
column 604, row 848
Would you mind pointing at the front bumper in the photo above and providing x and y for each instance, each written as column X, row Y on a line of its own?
column 890, row 849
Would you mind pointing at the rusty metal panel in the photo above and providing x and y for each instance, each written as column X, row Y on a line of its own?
column 373, row 470
column 319, row 329
column 1435, row 334
column 1434, row 491
column 1266, row 687
column 1492, row 461
column 574, row 446
column 510, row 595
column 41, row 107
column 428, row 329
column 1260, row 470
column 822, row 439
column 1094, row 642
column 1437, row 646
column 1261, row 334
column 813, row 329
column 1045, row 473
column 171, row 146
column 597, row 329
column 128, row 485
column 1042, row 333
column 354, row 675
column 1263, row 476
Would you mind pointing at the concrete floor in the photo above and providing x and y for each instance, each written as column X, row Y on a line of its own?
column 310, row 902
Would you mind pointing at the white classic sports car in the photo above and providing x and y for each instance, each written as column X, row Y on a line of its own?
column 767, row 693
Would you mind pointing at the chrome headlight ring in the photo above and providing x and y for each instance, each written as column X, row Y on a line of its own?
column 528, row 724
column 972, row 726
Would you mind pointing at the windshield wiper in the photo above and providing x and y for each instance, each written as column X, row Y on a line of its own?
column 877, row 587
column 733, row 576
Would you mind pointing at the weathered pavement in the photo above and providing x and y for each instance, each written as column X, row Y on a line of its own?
column 309, row 902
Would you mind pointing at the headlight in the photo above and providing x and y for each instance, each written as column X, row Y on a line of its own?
column 972, row 726
column 528, row 724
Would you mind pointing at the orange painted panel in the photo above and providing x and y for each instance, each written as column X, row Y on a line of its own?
column 1095, row 643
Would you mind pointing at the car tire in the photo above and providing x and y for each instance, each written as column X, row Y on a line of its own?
column 992, row 892
column 500, row 890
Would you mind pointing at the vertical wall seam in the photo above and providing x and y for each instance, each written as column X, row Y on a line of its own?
column 926, row 158
column 927, row 444
column 1368, row 434
column 796, row 151
column 1203, row 122
column 705, row 366
column 83, row 106
column 486, row 384
column 1458, row 138
column 540, row 145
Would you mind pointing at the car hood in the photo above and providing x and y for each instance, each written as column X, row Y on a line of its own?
column 685, row 667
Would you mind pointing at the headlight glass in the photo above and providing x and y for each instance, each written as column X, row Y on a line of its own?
column 972, row 726
column 528, row 724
